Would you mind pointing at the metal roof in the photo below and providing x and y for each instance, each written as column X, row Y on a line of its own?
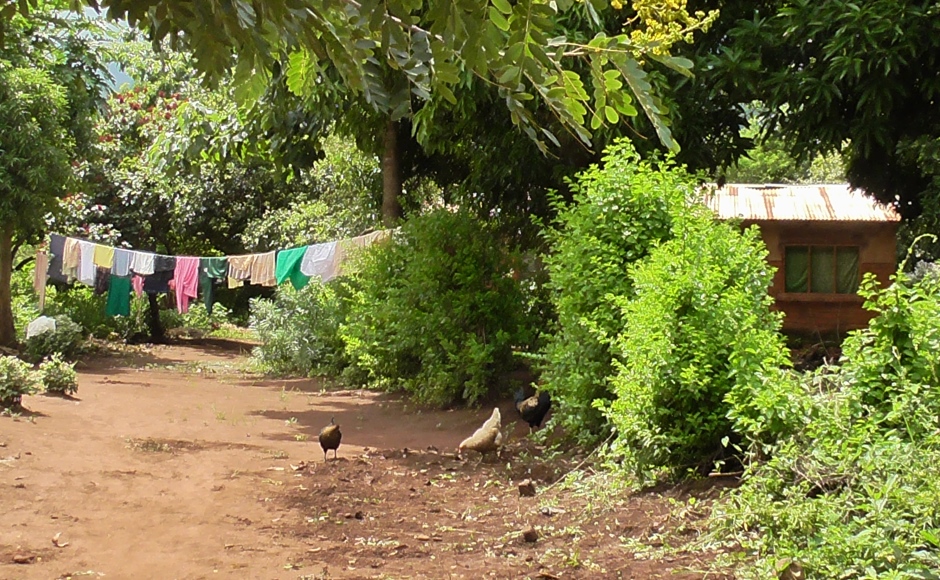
column 830, row 202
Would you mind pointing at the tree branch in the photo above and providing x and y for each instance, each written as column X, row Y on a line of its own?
column 20, row 266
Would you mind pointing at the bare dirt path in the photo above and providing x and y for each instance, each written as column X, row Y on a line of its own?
column 171, row 463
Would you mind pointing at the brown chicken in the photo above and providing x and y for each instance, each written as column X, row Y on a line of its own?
column 485, row 439
column 330, row 437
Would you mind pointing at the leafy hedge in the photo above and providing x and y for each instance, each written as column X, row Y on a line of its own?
column 299, row 330
column 619, row 212
column 853, row 492
column 436, row 312
column 698, row 337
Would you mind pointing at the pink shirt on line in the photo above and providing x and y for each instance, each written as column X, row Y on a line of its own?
column 186, row 277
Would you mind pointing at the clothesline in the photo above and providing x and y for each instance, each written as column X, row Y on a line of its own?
column 116, row 271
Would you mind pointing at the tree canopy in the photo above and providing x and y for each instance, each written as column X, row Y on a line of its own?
column 431, row 48
column 859, row 77
column 49, row 81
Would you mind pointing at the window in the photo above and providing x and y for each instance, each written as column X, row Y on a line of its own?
column 822, row 269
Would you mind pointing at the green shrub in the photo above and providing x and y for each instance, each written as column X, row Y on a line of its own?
column 197, row 318
column 87, row 309
column 24, row 299
column 435, row 312
column 16, row 379
column 892, row 365
column 699, row 329
column 65, row 340
column 853, row 493
column 58, row 376
column 299, row 329
column 619, row 213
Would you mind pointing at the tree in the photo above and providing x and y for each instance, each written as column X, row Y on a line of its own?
column 432, row 47
column 49, row 81
column 840, row 75
column 770, row 161
column 34, row 167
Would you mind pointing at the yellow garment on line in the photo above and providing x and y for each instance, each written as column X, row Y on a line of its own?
column 71, row 258
column 235, row 283
column 104, row 256
column 239, row 268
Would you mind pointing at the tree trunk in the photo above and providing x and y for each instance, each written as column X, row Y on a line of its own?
column 391, row 176
column 7, row 330
column 157, row 334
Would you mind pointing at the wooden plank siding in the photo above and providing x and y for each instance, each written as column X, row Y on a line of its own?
column 826, row 314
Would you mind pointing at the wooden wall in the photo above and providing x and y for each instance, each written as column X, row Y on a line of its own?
column 828, row 313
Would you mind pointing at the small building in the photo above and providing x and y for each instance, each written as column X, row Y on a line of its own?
column 821, row 239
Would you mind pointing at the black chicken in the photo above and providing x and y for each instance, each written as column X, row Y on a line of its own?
column 330, row 437
column 533, row 409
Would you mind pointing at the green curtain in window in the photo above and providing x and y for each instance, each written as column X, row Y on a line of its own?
column 847, row 270
column 823, row 270
column 796, row 269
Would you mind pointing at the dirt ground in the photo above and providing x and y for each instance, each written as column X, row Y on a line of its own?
column 172, row 462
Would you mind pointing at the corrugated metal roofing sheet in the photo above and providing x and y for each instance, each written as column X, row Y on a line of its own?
column 831, row 202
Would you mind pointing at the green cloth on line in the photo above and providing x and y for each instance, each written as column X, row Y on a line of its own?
column 288, row 266
column 119, row 296
column 211, row 269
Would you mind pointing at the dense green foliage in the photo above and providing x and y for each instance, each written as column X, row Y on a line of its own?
column 50, row 76
column 435, row 312
column 809, row 63
column 65, row 340
column 621, row 210
column 299, row 329
column 338, row 197
column 58, row 376
column 389, row 52
column 698, row 336
column 852, row 492
column 16, row 379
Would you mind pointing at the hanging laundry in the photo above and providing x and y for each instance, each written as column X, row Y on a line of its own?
column 71, row 258
column 102, row 279
column 86, row 266
column 56, row 253
column 262, row 269
column 104, row 256
column 318, row 260
column 239, row 267
column 119, row 296
column 122, row 262
column 142, row 263
column 288, row 266
column 39, row 277
column 186, row 276
column 210, row 270
column 137, row 282
column 348, row 248
column 159, row 281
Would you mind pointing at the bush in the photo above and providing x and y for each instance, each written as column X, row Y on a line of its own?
column 197, row 318
column 435, row 312
column 65, row 340
column 16, row 379
column 699, row 329
column 299, row 329
column 81, row 304
column 24, row 299
column 619, row 213
column 58, row 376
column 853, row 492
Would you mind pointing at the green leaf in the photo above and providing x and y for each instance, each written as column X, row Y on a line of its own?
column 498, row 19
column 503, row 6
column 611, row 114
